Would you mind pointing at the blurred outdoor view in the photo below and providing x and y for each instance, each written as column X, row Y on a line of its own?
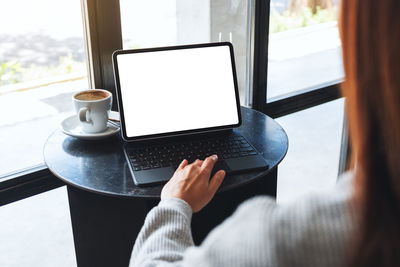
column 304, row 46
column 42, row 62
column 42, row 56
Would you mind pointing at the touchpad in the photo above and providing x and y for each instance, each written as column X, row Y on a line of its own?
column 220, row 165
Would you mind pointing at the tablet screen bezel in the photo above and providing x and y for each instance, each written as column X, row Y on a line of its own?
column 184, row 132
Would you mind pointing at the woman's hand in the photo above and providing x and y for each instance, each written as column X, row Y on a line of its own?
column 191, row 183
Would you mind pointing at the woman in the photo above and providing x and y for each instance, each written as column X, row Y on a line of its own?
column 357, row 224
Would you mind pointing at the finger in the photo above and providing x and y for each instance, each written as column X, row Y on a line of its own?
column 208, row 165
column 216, row 181
column 198, row 162
column 183, row 164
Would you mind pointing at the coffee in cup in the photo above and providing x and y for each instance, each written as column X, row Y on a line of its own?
column 91, row 95
column 93, row 107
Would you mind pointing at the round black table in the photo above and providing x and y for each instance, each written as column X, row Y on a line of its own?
column 108, row 210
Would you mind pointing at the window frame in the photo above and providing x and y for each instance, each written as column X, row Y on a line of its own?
column 286, row 104
column 26, row 183
column 102, row 35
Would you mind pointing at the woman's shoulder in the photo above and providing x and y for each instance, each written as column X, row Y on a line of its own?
column 325, row 201
column 308, row 232
column 314, row 229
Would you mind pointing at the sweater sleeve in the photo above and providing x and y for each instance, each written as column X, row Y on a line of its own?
column 311, row 232
column 165, row 235
column 166, row 239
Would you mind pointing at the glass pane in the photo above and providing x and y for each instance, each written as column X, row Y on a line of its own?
column 304, row 46
column 312, row 161
column 42, row 62
column 37, row 231
column 174, row 22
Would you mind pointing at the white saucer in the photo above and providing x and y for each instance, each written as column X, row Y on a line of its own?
column 72, row 127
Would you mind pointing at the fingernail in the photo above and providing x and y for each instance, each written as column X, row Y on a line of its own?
column 214, row 157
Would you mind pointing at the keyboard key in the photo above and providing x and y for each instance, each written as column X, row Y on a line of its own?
column 246, row 149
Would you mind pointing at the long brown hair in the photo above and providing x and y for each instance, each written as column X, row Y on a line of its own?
column 370, row 31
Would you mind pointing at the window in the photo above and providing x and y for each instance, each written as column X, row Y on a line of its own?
column 37, row 231
column 41, row 65
column 313, row 90
column 116, row 24
column 304, row 46
column 300, row 70
column 312, row 161
column 177, row 22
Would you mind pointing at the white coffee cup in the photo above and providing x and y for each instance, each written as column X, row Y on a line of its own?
column 93, row 107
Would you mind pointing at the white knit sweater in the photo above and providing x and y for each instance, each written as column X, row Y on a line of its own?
column 313, row 231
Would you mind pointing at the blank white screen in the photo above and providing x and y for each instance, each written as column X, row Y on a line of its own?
column 177, row 90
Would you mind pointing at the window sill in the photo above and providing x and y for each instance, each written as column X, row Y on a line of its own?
column 300, row 100
column 27, row 183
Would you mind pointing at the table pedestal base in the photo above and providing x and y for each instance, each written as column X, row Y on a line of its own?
column 105, row 228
